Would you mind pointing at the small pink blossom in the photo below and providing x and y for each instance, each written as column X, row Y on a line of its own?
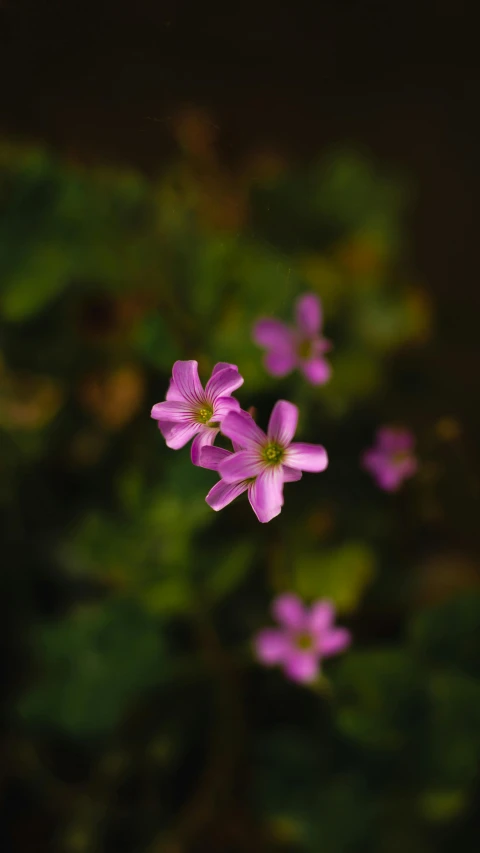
column 190, row 411
column 391, row 460
column 262, row 462
column 301, row 347
column 304, row 637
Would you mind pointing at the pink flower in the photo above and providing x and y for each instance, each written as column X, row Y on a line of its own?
column 189, row 411
column 304, row 638
column 392, row 459
column 265, row 462
column 301, row 347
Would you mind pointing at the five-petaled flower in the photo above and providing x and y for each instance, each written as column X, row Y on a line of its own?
column 190, row 411
column 306, row 635
column 391, row 460
column 265, row 462
column 301, row 347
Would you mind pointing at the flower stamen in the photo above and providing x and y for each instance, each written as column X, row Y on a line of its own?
column 273, row 453
column 204, row 414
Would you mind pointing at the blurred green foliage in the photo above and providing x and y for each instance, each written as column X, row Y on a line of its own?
column 138, row 603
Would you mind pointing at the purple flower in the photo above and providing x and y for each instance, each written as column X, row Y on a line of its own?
column 304, row 638
column 301, row 347
column 189, row 411
column 261, row 463
column 391, row 460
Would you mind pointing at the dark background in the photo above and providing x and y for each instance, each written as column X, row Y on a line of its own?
column 98, row 82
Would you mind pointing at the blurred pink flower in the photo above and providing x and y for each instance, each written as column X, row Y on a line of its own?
column 304, row 637
column 190, row 411
column 300, row 347
column 391, row 460
column 265, row 462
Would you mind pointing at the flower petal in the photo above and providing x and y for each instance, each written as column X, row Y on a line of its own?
column 308, row 314
column 283, row 422
column 166, row 427
column 224, row 493
column 240, row 466
column 185, row 376
column 272, row 334
column 221, row 365
column 223, row 382
column 176, row 412
column 321, row 617
column 395, row 439
column 210, row 457
column 173, row 393
column 224, row 405
column 180, row 434
column 280, row 362
column 272, row 646
column 240, row 427
column 266, row 493
column 334, row 641
column 206, row 437
column 306, row 457
column 289, row 611
column 316, row 370
column 290, row 475
column 302, row 666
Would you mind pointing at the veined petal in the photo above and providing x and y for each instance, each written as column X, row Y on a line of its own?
column 272, row 334
column 280, row 362
column 180, row 434
column 316, row 370
column 320, row 618
column 266, row 493
column 224, row 405
column 289, row 611
column 173, row 393
column 306, row 457
column 272, row 646
column 283, row 422
column 308, row 314
column 301, row 665
column 171, row 410
column 224, row 493
column 241, row 466
column 240, row 427
column 223, row 382
column 210, row 457
column 290, row 475
column 221, row 365
column 185, row 376
column 205, row 437
column 334, row 641
column 166, row 427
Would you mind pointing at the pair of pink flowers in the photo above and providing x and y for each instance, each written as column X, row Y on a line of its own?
column 260, row 462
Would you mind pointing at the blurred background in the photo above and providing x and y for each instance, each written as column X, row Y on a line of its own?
column 170, row 172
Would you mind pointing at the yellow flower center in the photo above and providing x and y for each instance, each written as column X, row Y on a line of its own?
column 273, row 453
column 399, row 457
column 204, row 414
column 304, row 349
column 304, row 642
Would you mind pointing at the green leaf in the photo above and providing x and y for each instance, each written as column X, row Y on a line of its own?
column 226, row 574
column 341, row 574
column 378, row 692
column 95, row 664
column 448, row 634
column 42, row 277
